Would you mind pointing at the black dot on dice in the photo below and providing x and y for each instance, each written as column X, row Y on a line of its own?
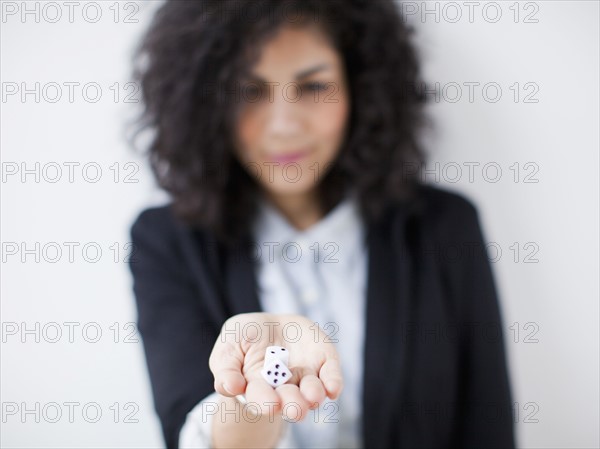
column 272, row 352
column 277, row 366
column 274, row 381
column 268, row 372
column 276, row 373
column 283, row 349
column 282, row 374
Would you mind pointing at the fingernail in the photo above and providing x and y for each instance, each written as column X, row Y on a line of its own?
column 241, row 399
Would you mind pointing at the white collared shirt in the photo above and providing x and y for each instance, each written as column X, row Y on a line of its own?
column 320, row 273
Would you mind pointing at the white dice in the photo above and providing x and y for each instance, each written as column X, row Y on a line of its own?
column 275, row 370
column 276, row 373
column 277, row 352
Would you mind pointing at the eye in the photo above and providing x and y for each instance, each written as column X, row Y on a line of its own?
column 315, row 86
column 252, row 92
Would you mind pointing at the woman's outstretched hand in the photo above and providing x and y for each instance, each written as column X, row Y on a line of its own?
column 238, row 357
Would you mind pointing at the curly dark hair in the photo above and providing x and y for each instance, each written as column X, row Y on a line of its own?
column 194, row 44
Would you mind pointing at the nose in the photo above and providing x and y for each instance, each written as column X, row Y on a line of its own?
column 284, row 118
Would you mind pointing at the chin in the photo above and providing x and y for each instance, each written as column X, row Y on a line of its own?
column 288, row 188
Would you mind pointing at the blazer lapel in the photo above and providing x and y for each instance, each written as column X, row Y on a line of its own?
column 240, row 281
column 388, row 307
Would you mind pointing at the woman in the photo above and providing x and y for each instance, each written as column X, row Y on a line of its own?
column 287, row 136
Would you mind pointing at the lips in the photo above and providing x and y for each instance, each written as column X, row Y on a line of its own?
column 293, row 156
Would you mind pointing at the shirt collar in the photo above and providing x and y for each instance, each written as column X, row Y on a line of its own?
column 342, row 225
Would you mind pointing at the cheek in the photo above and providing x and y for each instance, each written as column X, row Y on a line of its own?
column 329, row 123
column 248, row 135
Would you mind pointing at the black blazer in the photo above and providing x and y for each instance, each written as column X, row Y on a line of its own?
column 435, row 372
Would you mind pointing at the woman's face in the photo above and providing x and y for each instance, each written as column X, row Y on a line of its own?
column 293, row 112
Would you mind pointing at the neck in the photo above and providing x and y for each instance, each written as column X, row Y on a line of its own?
column 301, row 210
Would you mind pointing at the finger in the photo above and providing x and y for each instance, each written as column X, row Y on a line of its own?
column 294, row 407
column 331, row 376
column 312, row 389
column 226, row 364
column 261, row 393
column 230, row 382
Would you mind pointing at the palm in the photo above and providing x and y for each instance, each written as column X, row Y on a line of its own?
column 238, row 357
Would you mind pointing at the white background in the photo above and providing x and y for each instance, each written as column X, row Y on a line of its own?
column 554, row 301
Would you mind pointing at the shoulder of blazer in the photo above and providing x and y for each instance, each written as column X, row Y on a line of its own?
column 445, row 204
column 157, row 219
column 447, row 214
column 158, row 232
column 454, row 242
column 159, row 229
column 191, row 252
column 160, row 223
column 161, row 226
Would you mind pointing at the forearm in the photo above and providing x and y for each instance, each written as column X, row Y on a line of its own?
column 236, row 427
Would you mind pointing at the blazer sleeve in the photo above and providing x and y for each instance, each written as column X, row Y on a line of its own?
column 177, row 335
column 485, row 402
